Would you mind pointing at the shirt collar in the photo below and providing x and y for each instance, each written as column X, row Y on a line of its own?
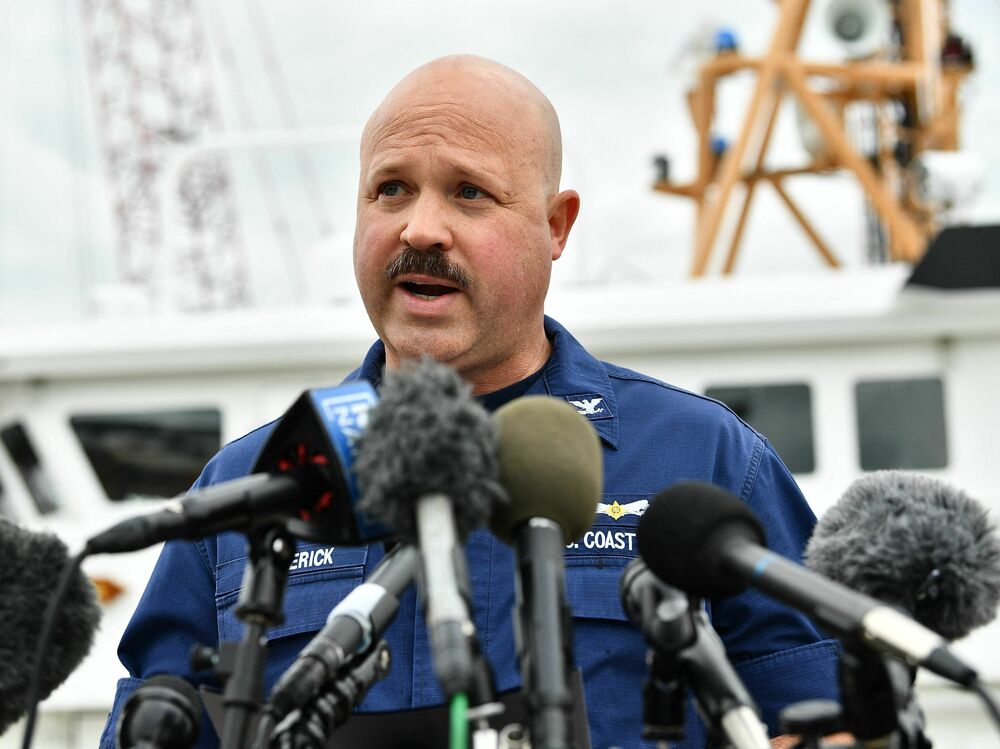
column 571, row 374
column 371, row 367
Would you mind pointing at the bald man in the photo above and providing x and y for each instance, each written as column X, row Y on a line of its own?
column 459, row 219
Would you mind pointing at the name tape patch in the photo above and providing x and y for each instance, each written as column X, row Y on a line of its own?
column 309, row 558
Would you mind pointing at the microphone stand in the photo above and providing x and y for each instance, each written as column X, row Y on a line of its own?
column 545, row 642
column 663, row 700
column 879, row 701
column 720, row 695
column 688, row 651
column 664, row 692
column 260, row 607
column 310, row 727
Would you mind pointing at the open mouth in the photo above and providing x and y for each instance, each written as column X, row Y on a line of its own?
column 427, row 291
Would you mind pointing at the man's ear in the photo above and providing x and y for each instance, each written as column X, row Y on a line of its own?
column 563, row 209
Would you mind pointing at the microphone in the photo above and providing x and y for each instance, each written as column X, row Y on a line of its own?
column 689, row 649
column 310, row 727
column 551, row 466
column 702, row 539
column 163, row 713
column 303, row 475
column 935, row 554
column 427, row 467
column 33, row 564
column 351, row 627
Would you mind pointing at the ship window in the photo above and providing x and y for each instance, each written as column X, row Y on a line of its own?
column 22, row 452
column 151, row 454
column 901, row 424
column 782, row 413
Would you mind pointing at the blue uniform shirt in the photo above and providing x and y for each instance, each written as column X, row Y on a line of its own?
column 653, row 435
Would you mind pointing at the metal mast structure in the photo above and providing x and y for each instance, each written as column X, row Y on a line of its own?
column 909, row 91
column 151, row 86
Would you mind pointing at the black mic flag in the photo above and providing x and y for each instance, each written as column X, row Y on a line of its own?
column 303, row 476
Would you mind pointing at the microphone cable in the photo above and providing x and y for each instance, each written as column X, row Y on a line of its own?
column 42, row 646
column 991, row 705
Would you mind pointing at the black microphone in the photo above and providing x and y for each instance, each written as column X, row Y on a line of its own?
column 33, row 564
column 694, row 653
column 351, row 627
column 916, row 543
column 427, row 467
column 551, row 466
column 163, row 713
column 702, row 539
column 310, row 726
column 303, row 476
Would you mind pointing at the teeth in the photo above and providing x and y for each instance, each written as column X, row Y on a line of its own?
column 427, row 297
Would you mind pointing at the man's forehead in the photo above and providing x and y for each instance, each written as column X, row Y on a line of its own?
column 448, row 136
column 446, row 121
column 391, row 158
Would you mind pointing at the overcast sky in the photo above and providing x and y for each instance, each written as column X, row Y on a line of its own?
column 616, row 75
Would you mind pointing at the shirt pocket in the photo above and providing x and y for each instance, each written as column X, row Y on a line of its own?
column 319, row 577
column 608, row 649
column 595, row 562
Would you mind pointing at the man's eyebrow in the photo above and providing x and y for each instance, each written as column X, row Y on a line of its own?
column 383, row 169
column 483, row 175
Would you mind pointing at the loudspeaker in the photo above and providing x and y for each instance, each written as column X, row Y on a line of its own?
column 862, row 26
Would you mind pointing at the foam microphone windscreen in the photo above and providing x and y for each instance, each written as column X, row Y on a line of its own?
column 678, row 536
column 427, row 435
column 31, row 566
column 550, row 464
column 913, row 542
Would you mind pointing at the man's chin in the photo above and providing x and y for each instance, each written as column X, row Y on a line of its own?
column 441, row 345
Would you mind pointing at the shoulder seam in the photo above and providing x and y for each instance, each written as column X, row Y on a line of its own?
column 203, row 553
column 630, row 376
column 752, row 470
column 251, row 432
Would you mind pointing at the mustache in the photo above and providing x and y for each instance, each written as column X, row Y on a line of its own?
column 428, row 263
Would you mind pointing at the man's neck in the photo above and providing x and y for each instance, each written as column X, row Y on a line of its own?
column 490, row 378
column 494, row 400
column 510, row 372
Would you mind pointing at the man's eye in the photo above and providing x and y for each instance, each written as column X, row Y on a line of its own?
column 468, row 192
column 391, row 189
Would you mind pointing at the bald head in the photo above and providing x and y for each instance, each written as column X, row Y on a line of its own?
column 460, row 218
column 488, row 103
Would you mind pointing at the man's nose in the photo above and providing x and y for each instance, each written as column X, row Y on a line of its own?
column 427, row 225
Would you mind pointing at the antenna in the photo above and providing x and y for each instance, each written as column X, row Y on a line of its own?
column 151, row 90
